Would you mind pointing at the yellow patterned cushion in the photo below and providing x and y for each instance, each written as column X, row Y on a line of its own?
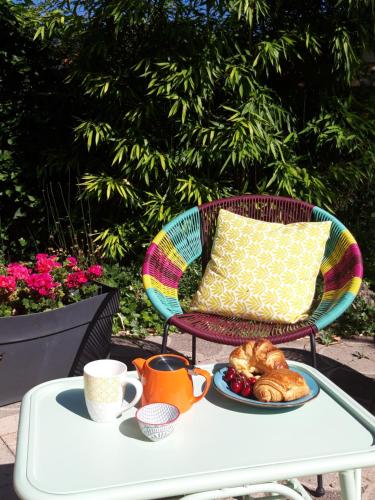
column 262, row 270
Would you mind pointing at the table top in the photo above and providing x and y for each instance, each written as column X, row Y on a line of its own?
column 218, row 443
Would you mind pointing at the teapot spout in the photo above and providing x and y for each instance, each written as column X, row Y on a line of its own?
column 139, row 364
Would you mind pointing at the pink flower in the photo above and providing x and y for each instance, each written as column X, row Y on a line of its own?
column 56, row 277
column 75, row 280
column 42, row 283
column 41, row 256
column 18, row 271
column 45, row 263
column 8, row 283
column 72, row 261
column 94, row 271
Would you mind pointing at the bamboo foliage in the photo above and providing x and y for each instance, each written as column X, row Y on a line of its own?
column 181, row 102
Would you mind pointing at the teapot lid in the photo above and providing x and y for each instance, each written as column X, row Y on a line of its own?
column 167, row 363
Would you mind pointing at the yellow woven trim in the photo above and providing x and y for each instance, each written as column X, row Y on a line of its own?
column 343, row 243
column 163, row 241
column 159, row 237
column 151, row 282
column 352, row 286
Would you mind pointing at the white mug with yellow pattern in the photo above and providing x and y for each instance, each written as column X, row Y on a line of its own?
column 104, row 386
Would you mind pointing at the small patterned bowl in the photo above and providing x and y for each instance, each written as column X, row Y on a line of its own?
column 157, row 420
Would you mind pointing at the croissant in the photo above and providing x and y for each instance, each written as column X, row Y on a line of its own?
column 280, row 385
column 257, row 357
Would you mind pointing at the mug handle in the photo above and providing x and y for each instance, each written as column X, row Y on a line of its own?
column 208, row 377
column 138, row 393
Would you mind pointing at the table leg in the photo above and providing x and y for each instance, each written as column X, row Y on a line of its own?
column 350, row 484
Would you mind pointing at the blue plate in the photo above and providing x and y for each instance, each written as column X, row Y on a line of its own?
column 222, row 386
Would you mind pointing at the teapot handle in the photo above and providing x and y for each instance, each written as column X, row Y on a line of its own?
column 208, row 377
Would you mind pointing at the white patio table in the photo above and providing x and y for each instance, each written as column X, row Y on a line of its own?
column 219, row 448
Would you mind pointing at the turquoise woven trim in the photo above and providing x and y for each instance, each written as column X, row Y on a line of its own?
column 337, row 228
column 328, row 311
column 184, row 232
column 166, row 306
column 320, row 215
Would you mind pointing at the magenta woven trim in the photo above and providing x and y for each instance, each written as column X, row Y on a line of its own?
column 350, row 266
column 256, row 198
column 298, row 334
column 213, row 328
column 155, row 261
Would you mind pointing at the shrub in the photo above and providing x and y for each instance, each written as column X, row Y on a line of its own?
column 359, row 319
column 137, row 316
column 182, row 102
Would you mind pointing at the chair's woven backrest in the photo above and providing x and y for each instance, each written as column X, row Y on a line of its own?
column 266, row 208
column 191, row 235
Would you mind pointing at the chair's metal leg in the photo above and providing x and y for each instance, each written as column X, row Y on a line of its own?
column 165, row 337
column 320, row 491
column 193, row 349
column 313, row 349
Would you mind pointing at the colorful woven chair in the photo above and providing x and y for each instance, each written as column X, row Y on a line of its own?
column 190, row 235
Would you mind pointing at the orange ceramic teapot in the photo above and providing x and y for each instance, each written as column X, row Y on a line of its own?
column 167, row 378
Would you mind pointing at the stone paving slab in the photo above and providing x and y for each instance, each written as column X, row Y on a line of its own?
column 6, row 455
column 350, row 364
column 9, row 423
column 10, row 440
column 7, row 411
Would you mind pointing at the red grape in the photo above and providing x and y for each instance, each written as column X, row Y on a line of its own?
column 231, row 370
column 229, row 375
column 246, row 390
column 236, row 386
